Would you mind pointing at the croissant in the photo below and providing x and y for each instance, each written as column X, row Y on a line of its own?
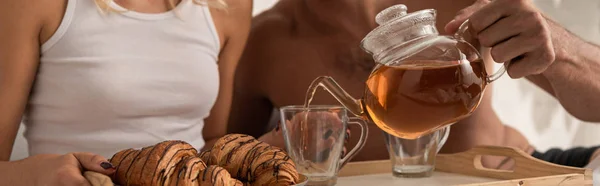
column 215, row 175
column 191, row 171
column 169, row 163
column 252, row 161
column 273, row 167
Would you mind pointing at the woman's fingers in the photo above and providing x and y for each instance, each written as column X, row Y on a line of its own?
column 94, row 162
column 97, row 179
column 68, row 176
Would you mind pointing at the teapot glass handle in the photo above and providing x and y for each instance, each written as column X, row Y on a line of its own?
column 459, row 35
column 445, row 132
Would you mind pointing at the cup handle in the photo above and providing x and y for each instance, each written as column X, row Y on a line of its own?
column 444, row 136
column 364, row 132
column 459, row 35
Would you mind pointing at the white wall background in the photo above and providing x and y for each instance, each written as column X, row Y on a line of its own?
column 518, row 102
column 261, row 5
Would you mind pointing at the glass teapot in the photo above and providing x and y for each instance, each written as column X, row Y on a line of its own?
column 422, row 81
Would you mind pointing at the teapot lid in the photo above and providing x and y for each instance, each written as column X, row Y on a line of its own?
column 396, row 27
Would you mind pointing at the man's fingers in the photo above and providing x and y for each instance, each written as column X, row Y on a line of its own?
column 512, row 48
column 490, row 14
column 502, row 30
column 513, row 68
column 327, row 143
column 463, row 15
column 94, row 162
column 347, row 137
column 534, row 62
column 528, row 64
column 327, row 134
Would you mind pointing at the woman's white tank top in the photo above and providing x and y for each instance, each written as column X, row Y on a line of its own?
column 116, row 80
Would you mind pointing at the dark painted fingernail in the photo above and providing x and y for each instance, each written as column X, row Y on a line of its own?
column 278, row 126
column 347, row 138
column 327, row 134
column 107, row 165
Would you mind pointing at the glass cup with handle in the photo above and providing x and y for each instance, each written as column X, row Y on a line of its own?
column 415, row 157
column 314, row 139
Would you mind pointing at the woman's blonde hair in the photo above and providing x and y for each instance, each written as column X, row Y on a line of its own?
column 219, row 4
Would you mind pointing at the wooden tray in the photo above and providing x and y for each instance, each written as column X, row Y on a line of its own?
column 465, row 169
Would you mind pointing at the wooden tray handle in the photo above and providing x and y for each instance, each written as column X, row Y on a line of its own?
column 526, row 166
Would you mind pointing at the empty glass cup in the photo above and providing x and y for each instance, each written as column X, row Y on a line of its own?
column 314, row 138
column 415, row 158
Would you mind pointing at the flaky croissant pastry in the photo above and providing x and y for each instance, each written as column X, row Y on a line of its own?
column 169, row 163
column 252, row 161
column 234, row 160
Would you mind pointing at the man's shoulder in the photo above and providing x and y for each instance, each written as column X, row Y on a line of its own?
column 273, row 22
column 270, row 43
column 270, row 35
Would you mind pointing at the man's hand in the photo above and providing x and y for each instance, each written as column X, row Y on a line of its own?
column 516, row 32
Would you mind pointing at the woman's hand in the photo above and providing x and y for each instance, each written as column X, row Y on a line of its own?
column 61, row 170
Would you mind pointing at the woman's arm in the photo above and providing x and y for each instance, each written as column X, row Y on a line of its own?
column 20, row 27
column 9, row 167
column 234, row 25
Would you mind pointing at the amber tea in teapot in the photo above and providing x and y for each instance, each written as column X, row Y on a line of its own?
column 422, row 82
column 414, row 99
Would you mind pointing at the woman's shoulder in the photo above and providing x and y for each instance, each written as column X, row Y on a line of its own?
column 39, row 15
column 232, row 19
column 34, row 10
column 239, row 12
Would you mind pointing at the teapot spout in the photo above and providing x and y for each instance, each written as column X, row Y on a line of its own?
column 326, row 82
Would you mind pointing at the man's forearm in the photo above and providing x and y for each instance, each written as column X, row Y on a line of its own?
column 573, row 78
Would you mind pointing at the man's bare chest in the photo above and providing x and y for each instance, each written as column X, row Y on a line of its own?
column 349, row 66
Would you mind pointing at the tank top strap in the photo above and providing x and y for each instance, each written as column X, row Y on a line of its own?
column 210, row 24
